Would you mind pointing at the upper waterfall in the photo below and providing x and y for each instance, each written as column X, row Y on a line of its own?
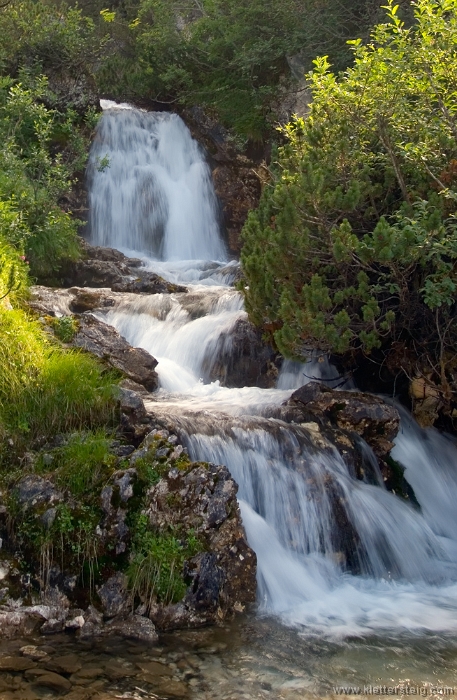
column 150, row 187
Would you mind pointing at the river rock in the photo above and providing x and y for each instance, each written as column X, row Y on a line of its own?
column 105, row 342
column 114, row 595
column 242, row 358
column 109, row 268
column 54, row 681
column 94, row 335
column 135, row 627
column 369, row 416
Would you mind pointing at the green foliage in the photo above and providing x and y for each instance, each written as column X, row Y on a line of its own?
column 354, row 242
column 156, row 568
column 229, row 55
column 13, row 270
column 52, row 39
column 45, row 390
column 82, row 462
column 34, row 176
column 65, row 328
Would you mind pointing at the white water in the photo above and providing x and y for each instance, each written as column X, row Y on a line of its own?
column 336, row 556
column 150, row 187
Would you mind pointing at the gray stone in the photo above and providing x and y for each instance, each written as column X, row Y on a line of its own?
column 114, row 596
column 33, row 490
column 134, row 627
column 105, row 342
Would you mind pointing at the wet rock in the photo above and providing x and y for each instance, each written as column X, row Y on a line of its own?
column 242, row 358
column 131, row 404
column 68, row 663
column 369, row 416
column 18, row 623
column 97, row 273
column 109, row 268
column 114, row 596
column 105, row 342
column 134, row 627
column 148, row 283
column 88, row 300
column 33, row 652
column 53, row 626
column 54, row 681
column 203, row 498
column 93, row 626
column 16, row 663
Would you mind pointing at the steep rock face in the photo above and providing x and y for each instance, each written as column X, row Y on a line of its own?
column 238, row 187
column 222, row 576
column 236, row 178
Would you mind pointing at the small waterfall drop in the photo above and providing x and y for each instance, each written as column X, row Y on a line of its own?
column 336, row 555
column 150, row 187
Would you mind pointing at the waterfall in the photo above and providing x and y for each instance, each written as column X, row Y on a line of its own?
column 336, row 555
column 150, row 188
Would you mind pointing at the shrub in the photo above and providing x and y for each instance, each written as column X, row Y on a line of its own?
column 355, row 240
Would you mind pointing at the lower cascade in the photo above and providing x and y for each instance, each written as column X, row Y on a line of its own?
column 337, row 555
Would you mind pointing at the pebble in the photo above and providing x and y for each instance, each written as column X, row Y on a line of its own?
column 53, row 681
column 16, row 663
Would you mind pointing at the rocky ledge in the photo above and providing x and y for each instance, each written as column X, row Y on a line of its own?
column 143, row 539
column 111, row 269
column 58, row 311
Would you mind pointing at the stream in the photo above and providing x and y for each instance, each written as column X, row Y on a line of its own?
column 386, row 614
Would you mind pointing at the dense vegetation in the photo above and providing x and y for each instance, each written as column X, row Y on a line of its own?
column 231, row 56
column 354, row 245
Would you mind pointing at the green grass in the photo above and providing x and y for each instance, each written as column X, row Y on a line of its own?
column 82, row 462
column 45, row 389
column 155, row 571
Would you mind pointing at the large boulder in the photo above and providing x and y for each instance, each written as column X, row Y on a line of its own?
column 110, row 269
column 222, row 577
column 369, row 416
column 154, row 492
column 105, row 342
column 242, row 358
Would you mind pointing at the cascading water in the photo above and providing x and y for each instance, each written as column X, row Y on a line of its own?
column 150, row 188
column 336, row 555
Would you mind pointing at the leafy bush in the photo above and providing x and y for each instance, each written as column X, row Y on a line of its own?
column 354, row 242
column 34, row 177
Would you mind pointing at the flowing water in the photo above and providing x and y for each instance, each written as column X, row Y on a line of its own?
column 355, row 585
